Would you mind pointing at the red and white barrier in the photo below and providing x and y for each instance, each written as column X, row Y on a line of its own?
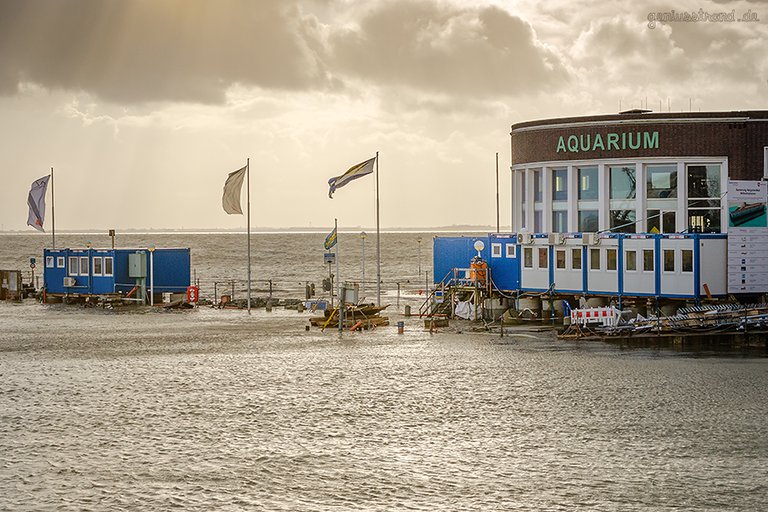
column 606, row 316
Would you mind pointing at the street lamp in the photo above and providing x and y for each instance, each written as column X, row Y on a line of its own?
column 363, row 236
column 418, row 240
column 151, row 250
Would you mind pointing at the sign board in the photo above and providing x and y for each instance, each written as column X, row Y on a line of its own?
column 439, row 297
column 329, row 258
column 747, row 237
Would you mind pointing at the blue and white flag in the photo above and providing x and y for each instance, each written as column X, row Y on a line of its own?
column 330, row 240
column 354, row 172
column 36, row 202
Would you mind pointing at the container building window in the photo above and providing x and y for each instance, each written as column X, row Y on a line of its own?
column 576, row 259
column 560, row 258
column 528, row 257
column 97, row 266
column 588, row 220
column 83, row 265
column 648, row 260
column 560, row 184
column 623, row 221
column 60, row 261
column 49, row 262
column 559, row 221
column 610, row 259
column 108, row 265
column 543, row 257
column 73, row 266
column 630, row 256
column 495, row 250
column 594, row 259
column 588, row 183
column 669, row 260
column 511, row 251
column 687, row 260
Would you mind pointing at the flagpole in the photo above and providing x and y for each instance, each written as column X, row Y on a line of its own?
column 498, row 227
column 248, row 186
column 338, row 276
column 378, row 238
column 53, row 211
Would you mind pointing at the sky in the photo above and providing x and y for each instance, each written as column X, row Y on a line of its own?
column 143, row 107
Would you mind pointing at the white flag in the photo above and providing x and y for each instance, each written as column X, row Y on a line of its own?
column 232, row 189
column 36, row 202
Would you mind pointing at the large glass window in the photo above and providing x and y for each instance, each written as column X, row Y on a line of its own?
column 523, row 193
column 588, row 183
column 623, row 182
column 559, row 221
column 704, row 198
column 662, row 181
column 538, row 224
column 537, row 186
column 588, row 220
column 658, row 222
column 560, row 184
column 623, row 221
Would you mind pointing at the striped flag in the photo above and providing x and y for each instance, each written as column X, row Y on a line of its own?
column 330, row 240
column 354, row 172
column 36, row 202
column 232, row 188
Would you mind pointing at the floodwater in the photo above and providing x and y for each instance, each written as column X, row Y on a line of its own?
column 215, row 410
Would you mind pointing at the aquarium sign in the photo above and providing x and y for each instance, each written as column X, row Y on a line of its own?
column 587, row 142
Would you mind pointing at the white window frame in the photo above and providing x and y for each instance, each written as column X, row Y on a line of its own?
column 626, row 260
column 616, row 251
column 580, row 259
column 538, row 259
column 49, row 262
column 84, row 259
column 511, row 250
column 61, row 262
column 599, row 259
column 664, row 261
column 76, row 270
column 495, row 250
column 525, row 265
column 111, row 260
column 682, row 267
column 101, row 266
column 653, row 253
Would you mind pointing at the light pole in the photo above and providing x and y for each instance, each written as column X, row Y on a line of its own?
column 151, row 249
column 363, row 235
column 418, row 240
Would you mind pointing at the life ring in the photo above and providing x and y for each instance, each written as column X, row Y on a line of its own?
column 193, row 294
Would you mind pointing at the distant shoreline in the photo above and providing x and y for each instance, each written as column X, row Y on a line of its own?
column 260, row 231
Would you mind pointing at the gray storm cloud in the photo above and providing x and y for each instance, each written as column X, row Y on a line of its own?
column 195, row 50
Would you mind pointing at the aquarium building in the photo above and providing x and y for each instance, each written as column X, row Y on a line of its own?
column 637, row 204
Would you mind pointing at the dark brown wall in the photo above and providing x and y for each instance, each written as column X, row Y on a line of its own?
column 742, row 142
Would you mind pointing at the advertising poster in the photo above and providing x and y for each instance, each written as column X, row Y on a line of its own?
column 747, row 237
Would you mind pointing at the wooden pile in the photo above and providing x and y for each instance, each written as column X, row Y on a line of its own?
column 355, row 317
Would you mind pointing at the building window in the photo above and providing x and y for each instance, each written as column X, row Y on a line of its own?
column 560, row 258
column 538, row 226
column 523, row 199
column 49, row 262
column 630, row 256
column 576, row 259
column 73, row 266
column 108, row 265
column 495, row 250
column 528, row 257
column 537, row 188
column 610, row 259
column 687, row 260
column 648, row 260
column 623, row 221
column 594, row 259
column 588, row 220
column 655, row 224
column 511, row 250
column 60, row 261
column 704, row 198
column 588, row 183
column 661, row 181
column 97, row 266
column 559, row 221
column 543, row 257
column 83, row 265
column 560, row 184
column 669, row 260
column 623, row 182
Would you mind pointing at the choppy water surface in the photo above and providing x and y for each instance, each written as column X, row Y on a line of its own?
column 206, row 409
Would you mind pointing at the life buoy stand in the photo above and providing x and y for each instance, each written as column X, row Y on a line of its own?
column 193, row 294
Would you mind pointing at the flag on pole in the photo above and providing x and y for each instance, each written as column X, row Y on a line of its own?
column 36, row 202
column 354, row 172
column 330, row 240
column 232, row 189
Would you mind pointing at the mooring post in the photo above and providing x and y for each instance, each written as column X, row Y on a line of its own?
column 398, row 297
column 215, row 294
column 270, row 289
column 233, row 289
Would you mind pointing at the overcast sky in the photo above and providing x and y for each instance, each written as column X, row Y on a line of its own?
column 144, row 106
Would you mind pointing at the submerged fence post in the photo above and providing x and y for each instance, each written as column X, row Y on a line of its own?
column 215, row 294
column 398, row 297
